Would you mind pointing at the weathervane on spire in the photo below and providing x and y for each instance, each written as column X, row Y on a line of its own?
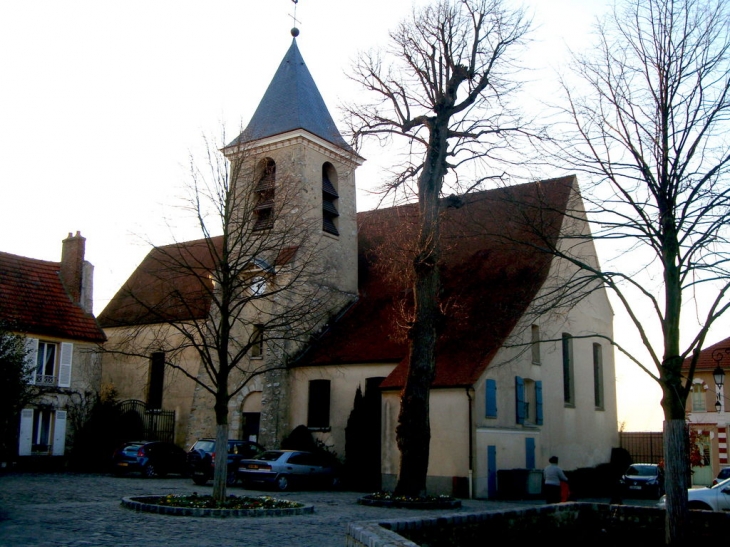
column 295, row 30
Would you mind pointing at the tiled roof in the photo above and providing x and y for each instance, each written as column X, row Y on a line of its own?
column 706, row 361
column 292, row 101
column 33, row 300
column 171, row 284
column 487, row 283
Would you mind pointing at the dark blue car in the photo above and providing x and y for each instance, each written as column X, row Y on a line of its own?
column 150, row 458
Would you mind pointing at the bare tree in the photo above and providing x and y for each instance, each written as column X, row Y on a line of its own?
column 15, row 390
column 243, row 299
column 444, row 90
column 648, row 129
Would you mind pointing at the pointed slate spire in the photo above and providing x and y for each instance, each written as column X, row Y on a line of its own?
column 292, row 101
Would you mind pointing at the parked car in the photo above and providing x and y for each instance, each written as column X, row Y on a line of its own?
column 722, row 475
column 201, row 458
column 714, row 498
column 150, row 458
column 285, row 468
column 643, row 479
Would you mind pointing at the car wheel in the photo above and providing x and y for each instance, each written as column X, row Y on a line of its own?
column 699, row 505
column 231, row 478
column 149, row 471
column 282, row 483
column 200, row 481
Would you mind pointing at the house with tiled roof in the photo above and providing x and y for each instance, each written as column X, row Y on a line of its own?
column 50, row 303
column 515, row 383
column 707, row 412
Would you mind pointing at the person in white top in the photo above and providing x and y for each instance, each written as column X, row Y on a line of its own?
column 553, row 475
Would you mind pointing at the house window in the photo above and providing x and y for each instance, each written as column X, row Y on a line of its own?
column 535, row 344
column 264, row 209
column 699, row 403
column 46, row 364
column 318, row 412
column 156, row 380
column 257, row 342
column 528, row 401
column 329, row 199
column 42, row 432
column 51, row 366
column 491, row 399
column 598, row 376
column 568, row 378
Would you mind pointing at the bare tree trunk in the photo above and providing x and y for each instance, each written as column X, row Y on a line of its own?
column 221, row 450
column 413, row 433
column 676, row 463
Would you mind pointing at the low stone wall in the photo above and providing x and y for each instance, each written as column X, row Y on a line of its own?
column 567, row 524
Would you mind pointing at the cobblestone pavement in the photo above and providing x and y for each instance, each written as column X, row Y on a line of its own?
column 65, row 509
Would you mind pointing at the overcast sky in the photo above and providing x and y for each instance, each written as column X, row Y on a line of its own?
column 102, row 102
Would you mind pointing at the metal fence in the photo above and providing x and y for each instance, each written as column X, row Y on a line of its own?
column 139, row 422
column 644, row 447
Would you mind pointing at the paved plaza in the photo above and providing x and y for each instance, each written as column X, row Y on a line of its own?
column 44, row 510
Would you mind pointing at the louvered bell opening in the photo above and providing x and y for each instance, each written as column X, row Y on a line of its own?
column 266, row 183
column 327, row 189
column 264, row 218
column 268, row 204
column 329, row 226
column 329, row 209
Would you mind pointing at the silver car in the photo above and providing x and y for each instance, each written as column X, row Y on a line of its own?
column 715, row 498
column 284, row 468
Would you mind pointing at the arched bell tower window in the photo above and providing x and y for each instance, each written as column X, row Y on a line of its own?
column 329, row 199
column 265, row 183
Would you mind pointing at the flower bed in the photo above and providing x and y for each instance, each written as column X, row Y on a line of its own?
column 205, row 506
column 388, row 499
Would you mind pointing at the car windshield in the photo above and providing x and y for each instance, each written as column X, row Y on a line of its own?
column 642, row 470
column 131, row 448
column 205, row 446
column 723, row 484
column 270, row 455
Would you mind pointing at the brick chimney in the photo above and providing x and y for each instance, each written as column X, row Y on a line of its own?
column 72, row 266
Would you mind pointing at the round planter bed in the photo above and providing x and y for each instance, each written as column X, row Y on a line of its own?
column 160, row 505
column 378, row 500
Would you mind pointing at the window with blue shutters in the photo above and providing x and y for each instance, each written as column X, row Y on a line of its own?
column 491, row 399
column 520, row 400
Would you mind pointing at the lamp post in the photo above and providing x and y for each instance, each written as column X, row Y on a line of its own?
column 719, row 375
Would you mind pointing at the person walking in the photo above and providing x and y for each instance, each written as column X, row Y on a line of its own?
column 553, row 475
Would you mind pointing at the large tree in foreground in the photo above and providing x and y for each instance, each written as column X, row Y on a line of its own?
column 243, row 298
column 442, row 86
column 649, row 124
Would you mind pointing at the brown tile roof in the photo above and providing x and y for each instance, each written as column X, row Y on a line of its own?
column 487, row 283
column 164, row 288
column 706, row 361
column 33, row 300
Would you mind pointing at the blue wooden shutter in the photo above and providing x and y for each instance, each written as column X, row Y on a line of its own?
column 491, row 399
column 538, row 402
column 491, row 471
column 530, row 453
column 520, row 399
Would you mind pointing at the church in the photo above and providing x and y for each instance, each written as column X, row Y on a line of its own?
column 515, row 383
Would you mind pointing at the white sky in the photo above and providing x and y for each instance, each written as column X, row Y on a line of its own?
column 101, row 102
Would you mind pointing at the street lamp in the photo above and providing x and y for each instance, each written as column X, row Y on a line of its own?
column 719, row 375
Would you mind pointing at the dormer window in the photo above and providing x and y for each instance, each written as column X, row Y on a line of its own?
column 264, row 210
column 329, row 199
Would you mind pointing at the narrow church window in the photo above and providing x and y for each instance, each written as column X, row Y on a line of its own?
column 535, row 335
column 598, row 375
column 257, row 342
column 329, row 199
column 264, row 210
column 156, row 380
column 568, row 387
column 318, row 412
